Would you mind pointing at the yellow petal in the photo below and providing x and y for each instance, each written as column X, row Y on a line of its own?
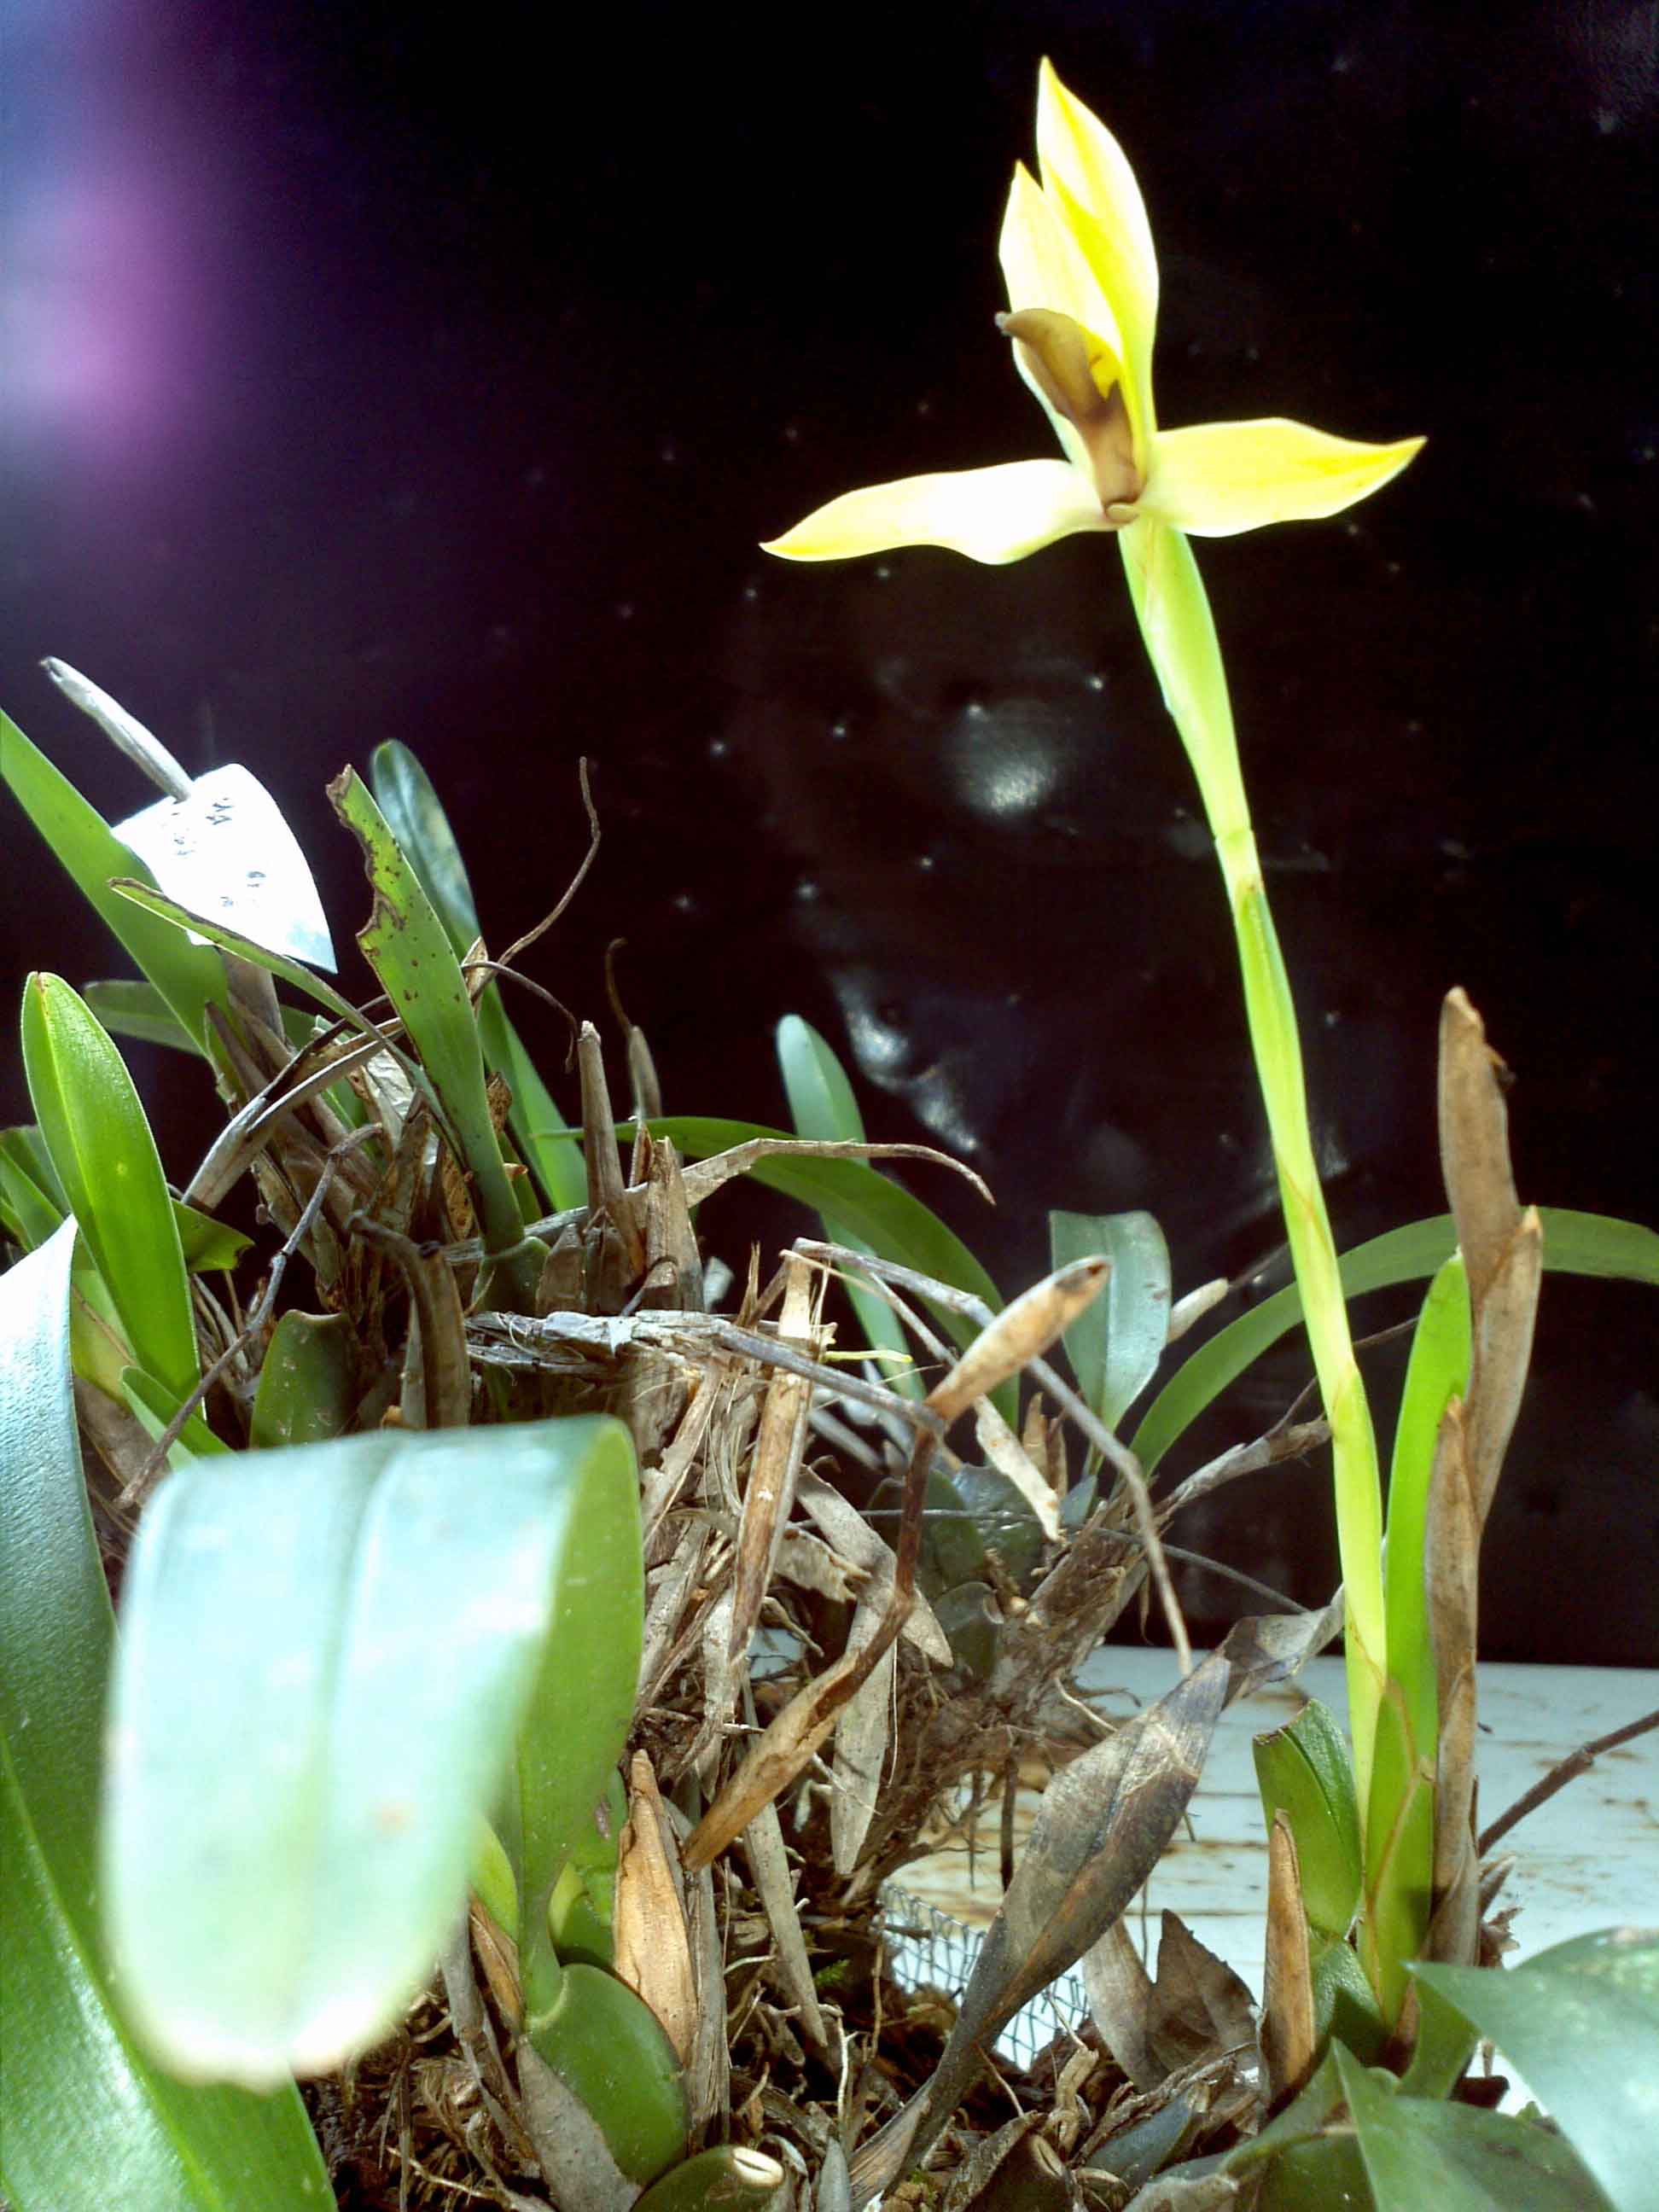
column 1044, row 269
column 1087, row 178
column 1044, row 266
column 993, row 515
column 1219, row 477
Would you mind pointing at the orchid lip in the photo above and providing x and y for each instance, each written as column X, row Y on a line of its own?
column 1083, row 382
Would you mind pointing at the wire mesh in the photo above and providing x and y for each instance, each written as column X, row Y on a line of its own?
column 929, row 1949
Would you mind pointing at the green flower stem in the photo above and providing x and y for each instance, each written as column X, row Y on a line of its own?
column 1176, row 622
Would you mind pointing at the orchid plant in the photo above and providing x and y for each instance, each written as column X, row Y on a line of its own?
column 1081, row 270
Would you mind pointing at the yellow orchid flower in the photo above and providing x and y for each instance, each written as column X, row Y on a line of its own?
column 1082, row 275
column 1077, row 252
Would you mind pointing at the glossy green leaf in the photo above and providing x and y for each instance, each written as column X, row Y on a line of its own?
column 1574, row 1244
column 606, row 2044
column 24, row 1148
column 575, row 1726
column 308, row 1382
column 88, row 2122
column 878, row 1211
column 1581, row 2023
column 1345, row 2005
column 1303, row 1771
column 188, row 976
column 822, row 1106
column 110, row 1172
column 417, row 821
column 1115, row 1344
column 726, row 2177
column 406, row 945
column 1456, row 2158
column 581, row 1916
column 326, row 1653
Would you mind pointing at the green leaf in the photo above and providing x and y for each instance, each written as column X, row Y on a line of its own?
column 726, row 2179
column 1574, row 1244
column 1456, row 2158
column 207, row 1244
column 1445, row 2043
column 111, row 1173
column 1115, row 1344
column 1302, row 1770
column 89, row 2122
column 415, row 814
column 822, row 1106
column 30, row 1191
column 575, row 1726
column 1344, row 2006
column 406, row 945
column 605, row 2043
column 327, row 1654
column 1306, row 2167
column 1399, row 1852
column 418, row 823
column 1438, row 1371
column 1301, row 2122
column 1581, row 2022
column 137, row 1010
column 878, row 1211
column 188, row 976
column 308, row 1382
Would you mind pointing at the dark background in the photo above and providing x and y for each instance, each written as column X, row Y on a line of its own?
column 369, row 376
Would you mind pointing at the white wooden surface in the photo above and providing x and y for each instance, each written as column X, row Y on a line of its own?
column 1587, row 1859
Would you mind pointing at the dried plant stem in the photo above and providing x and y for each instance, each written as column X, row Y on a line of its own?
column 1567, row 1770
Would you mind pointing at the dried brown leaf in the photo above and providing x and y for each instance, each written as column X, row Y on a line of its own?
column 1474, row 1143
column 858, row 1543
column 769, row 1493
column 704, row 1178
column 769, row 1866
column 1120, row 1992
column 808, row 1562
column 1199, row 2008
column 1289, row 2038
column 652, row 1942
column 773, row 1762
column 1009, row 1457
column 862, row 1735
column 1021, row 1332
